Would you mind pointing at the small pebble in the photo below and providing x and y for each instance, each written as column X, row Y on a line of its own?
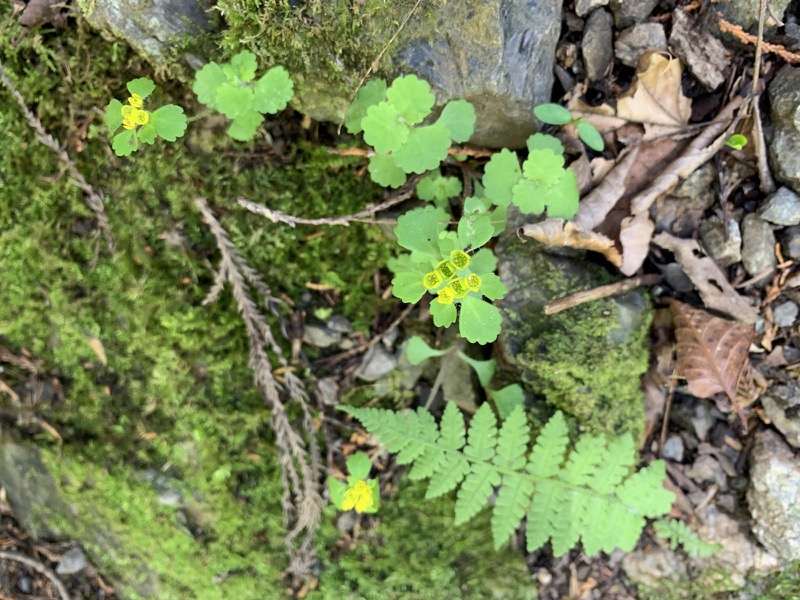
column 673, row 448
column 784, row 315
column 376, row 363
column 73, row 561
column 25, row 585
column 791, row 242
column 758, row 247
column 782, row 208
column 321, row 337
column 633, row 42
column 724, row 247
column 584, row 7
column 597, row 44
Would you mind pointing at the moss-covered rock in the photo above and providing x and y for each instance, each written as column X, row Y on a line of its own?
column 586, row 361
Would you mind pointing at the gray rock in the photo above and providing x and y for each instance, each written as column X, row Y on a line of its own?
column 635, row 41
column 704, row 55
column 782, row 405
column 673, row 448
column 73, row 561
column 693, row 415
column 782, row 208
column 774, row 495
column 630, row 12
column 706, row 469
column 784, row 145
column 785, row 314
column 597, row 44
column 320, row 337
column 791, row 242
column 758, row 246
column 683, row 209
column 654, row 567
column 498, row 54
column 377, row 363
column 340, row 324
column 152, row 27
column 725, row 252
column 169, row 497
column 746, row 12
column 327, row 390
column 584, row 7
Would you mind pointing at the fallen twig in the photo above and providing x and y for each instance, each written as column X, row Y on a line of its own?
column 748, row 38
column 39, row 568
column 94, row 198
column 604, row 291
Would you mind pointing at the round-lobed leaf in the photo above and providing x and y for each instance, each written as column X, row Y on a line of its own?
column 443, row 315
column 245, row 126
column 383, row 129
column 529, row 197
column 411, row 97
column 384, row 171
column 501, row 174
column 147, row 134
column 359, row 465
column 437, row 188
column 492, row 287
column 479, row 321
column 125, row 142
column 370, row 94
column 562, row 199
column 418, row 351
column 542, row 141
column 590, row 136
column 244, row 65
column 169, row 122
column 206, row 83
column 544, row 166
column 273, row 91
column 424, row 150
column 142, row 86
column 418, row 231
column 234, row 100
column 552, row 114
column 113, row 115
column 459, row 118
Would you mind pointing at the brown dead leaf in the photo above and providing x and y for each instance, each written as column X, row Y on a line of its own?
column 634, row 237
column 655, row 97
column 557, row 232
column 715, row 290
column 712, row 353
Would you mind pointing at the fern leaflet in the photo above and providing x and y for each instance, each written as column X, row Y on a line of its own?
column 587, row 494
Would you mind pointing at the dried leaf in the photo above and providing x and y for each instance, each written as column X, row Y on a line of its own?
column 98, row 348
column 656, row 97
column 712, row 353
column 634, row 237
column 557, row 232
column 715, row 290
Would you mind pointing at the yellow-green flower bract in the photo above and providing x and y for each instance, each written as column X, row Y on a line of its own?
column 431, row 280
column 135, row 101
column 445, row 295
column 134, row 116
column 446, row 269
column 358, row 497
column 459, row 287
column 460, row 259
column 473, row 282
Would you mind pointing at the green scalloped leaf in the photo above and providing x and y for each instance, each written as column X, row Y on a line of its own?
column 337, row 489
column 529, row 197
column 418, row 351
column 359, row 465
column 418, row 231
column 244, row 65
column 501, row 174
column 563, row 198
column 492, row 287
column 459, row 118
column 484, row 369
column 147, row 134
column 125, row 142
column 424, row 150
column 437, row 188
column 542, row 141
column 479, row 321
column 370, row 94
column 411, row 97
column 408, row 287
column 142, row 86
column 383, row 129
column 234, row 100
column 483, row 261
column 443, row 315
column 113, row 116
column 474, row 230
column 272, row 92
column 244, row 126
column 206, row 83
column 169, row 122
column 543, row 166
column 384, row 171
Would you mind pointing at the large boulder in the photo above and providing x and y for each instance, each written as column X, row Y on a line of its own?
column 784, row 146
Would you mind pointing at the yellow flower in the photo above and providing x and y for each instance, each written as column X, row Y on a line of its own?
column 460, row 259
column 446, row 269
column 460, row 287
column 128, row 123
column 473, row 282
column 127, row 110
column 135, row 101
column 431, row 280
column 446, row 295
column 142, row 117
column 358, row 496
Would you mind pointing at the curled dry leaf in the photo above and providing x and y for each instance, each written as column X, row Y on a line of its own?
column 715, row 290
column 712, row 353
column 557, row 232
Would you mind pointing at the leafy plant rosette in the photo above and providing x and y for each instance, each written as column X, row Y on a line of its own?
column 542, row 183
column 233, row 90
column 391, row 118
column 452, row 266
column 359, row 493
column 141, row 126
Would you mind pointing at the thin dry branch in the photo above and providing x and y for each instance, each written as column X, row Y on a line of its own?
column 298, row 452
column 277, row 216
column 39, row 568
column 603, row 291
column 748, row 38
column 94, row 198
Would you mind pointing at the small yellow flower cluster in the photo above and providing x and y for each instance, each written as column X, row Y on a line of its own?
column 358, row 497
column 132, row 113
column 445, row 271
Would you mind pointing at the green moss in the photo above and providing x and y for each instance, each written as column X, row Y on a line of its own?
column 415, row 551
column 586, row 361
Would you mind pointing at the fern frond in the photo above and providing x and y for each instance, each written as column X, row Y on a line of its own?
column 585, row 494
column 678, row 532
